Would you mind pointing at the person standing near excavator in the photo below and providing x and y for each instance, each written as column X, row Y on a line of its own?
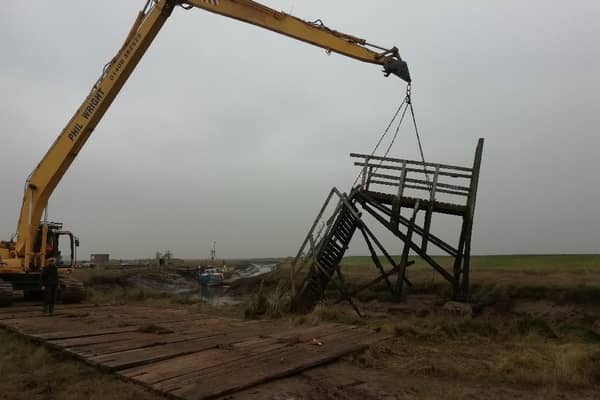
column 49, row 279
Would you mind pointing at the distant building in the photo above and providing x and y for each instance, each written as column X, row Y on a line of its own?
column 99, row 258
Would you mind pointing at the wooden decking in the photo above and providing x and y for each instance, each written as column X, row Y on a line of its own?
column 409, row 202
column 183, row 354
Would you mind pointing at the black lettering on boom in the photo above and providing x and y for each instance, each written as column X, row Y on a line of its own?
column 75, row 132
column 93, row 103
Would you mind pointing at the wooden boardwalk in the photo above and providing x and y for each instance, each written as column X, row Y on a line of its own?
column 183, row 354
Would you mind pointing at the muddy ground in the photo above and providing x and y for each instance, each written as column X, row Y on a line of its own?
column 530, row 333
column 542, row 350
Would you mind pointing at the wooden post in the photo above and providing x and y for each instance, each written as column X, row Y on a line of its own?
column 375, row 259
column 343, row 290
column 396, row 203
column 465, row 275
column 405, row 252
column 427, row 226
column 458, row 263
column 363, row 183
column 317, row 266
column 462, row 263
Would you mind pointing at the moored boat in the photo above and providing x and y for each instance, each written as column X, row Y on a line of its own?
column 211, row 277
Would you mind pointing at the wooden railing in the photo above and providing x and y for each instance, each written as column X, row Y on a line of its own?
column 319, row 230
column 422, row 180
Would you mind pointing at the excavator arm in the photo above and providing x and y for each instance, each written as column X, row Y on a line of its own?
column 315, row 33
column 46, row 176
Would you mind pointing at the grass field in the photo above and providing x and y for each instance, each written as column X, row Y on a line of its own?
column 556, row 277
column 494, row 279
column 30, row 371
column 564, row 263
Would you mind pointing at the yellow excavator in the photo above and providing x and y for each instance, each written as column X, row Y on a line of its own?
column 36, row 241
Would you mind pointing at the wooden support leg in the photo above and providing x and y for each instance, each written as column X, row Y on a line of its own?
column 318, row 267
column 379, row 279
column 462, row 262
column 405, row 252
column 341, row 287
column 466, row 264
column 384, row 251
column 429, row 214
column 413, row 246
column 458, row 263
column 344, row 291
column 375, row 259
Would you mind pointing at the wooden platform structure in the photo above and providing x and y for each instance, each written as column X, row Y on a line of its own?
column 388, row 187
column 183, row 354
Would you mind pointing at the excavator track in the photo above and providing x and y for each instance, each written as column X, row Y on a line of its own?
column 70, row 291
column 6, row 293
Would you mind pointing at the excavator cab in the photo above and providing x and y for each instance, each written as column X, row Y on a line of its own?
column 51, row 243
column 68, row 260
column 60, row 245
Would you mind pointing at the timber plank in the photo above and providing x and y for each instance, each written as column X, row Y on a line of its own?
column 169, row 347
column 136, row 334
column 32, row 316
column 129, row 326
column 147, row 355
column 194, row 330
column 250, row 371
column 409, row 202
column 100, row 324
column 37, row 313
column 182, row 346
column 59, row 310
column 38, row 306
column 88, row 340
column 193, row 356
column 171, row 378
column 271, row 366
column 195, row 364
column 111, row 351
column 51, row 336
column 41, row 323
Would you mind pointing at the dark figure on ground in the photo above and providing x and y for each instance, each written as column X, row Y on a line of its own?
column 49, row 285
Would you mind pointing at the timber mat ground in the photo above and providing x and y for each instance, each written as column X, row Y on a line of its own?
column 530, row 337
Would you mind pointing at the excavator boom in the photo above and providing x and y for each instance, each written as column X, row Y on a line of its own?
column 46, row 176
column 315, row 33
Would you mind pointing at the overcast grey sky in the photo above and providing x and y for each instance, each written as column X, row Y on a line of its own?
column 231, row 133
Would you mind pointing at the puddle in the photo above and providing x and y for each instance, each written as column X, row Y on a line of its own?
column 252, row 270
column 216, row 295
